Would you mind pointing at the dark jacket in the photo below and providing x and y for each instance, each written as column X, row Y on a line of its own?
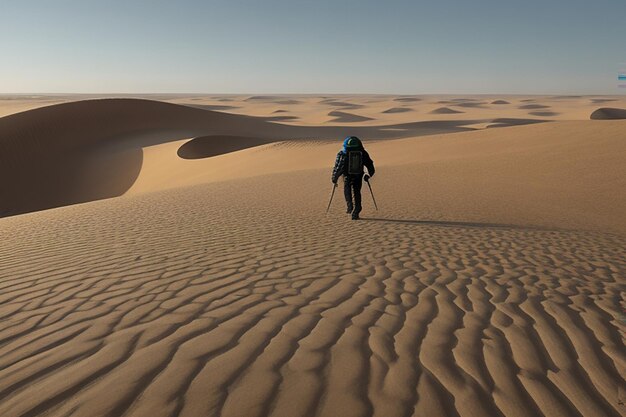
column 341, row 167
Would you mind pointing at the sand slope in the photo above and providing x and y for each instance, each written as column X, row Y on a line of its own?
column 242, row 298
column 607, row 113
column 88, row 150
column 564, row 175
column 489, row 283
column 81, row 151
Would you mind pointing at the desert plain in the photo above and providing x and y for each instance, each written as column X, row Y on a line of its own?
column 171, row 255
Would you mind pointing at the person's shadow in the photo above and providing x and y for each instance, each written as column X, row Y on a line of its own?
column 456, row 224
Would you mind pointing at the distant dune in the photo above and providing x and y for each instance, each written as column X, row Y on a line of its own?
column 273, row 99
column 445, row 110
column 607, row 113
column 216, row 107
column 264, row 98
column 398, row 110
column 470, row 104
column 344, row 104
column 602, row 100
column 566, row 97
column 407, row 99
column 534, row 106
column 500, row 102
column 543, row 113
column 344, row 117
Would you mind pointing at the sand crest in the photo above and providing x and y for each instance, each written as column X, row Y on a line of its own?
column 345, row 117
column 607, row 113
column 398, row 110
column 445, row 110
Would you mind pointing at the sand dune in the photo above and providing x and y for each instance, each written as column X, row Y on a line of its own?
column 344, row 104
column 217, row 107
column 281, row 118
column 274, row 99
column 445, row 110
column 407, row 99
column 470, row 104
column 311, row 111
column 533, row 107
column 264, row 98
column 398, row 110
column 89, row 150
column 287, row 102
column 500, row 102
column 81, row 151
column 345, row 117
column 191, row 303
column 208, row 146
column 550, row 167
column 543, row 113
column 607, row 113
column 507, row 122
column 84, row 151
column 566, row 97
column 602, row 100
column 489, row 283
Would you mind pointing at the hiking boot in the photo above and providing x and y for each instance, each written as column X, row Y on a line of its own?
column 355, row 216
column 349, row 210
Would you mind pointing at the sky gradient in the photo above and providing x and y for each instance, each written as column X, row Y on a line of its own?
column 272, row 46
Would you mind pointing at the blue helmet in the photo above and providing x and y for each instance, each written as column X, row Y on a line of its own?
column 352, row 143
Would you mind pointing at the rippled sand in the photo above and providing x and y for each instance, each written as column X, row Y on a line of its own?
column 228, row 291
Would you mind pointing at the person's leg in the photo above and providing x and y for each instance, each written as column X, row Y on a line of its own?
column 357, row 183
column 347, row 192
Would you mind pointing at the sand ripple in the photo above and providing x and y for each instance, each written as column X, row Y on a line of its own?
column 190, row 303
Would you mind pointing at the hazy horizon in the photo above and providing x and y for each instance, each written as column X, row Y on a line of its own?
column 274, row 93
column 279, row 47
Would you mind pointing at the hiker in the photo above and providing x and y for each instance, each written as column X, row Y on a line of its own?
column 349, row 163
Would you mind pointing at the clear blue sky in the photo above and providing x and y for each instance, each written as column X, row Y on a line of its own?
column 291, row 46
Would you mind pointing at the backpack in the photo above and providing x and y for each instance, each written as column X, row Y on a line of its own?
column 355, row 162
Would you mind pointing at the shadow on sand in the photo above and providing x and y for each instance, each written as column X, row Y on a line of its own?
column 458, row 224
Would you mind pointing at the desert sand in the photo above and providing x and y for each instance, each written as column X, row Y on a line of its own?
column 171, row 256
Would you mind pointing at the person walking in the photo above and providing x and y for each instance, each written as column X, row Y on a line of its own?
column 350, row 161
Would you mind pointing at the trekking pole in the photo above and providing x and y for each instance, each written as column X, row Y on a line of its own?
column 371, row 192
column 331, row 197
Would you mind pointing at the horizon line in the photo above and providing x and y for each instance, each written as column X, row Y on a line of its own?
column 313, row 94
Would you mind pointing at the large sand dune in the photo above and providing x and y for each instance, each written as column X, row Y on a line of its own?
column 607, row 113
column 88, row 150
column 489, row 283
column 81, row 151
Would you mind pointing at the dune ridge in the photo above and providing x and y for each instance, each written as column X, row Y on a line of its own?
column 445, row 110
column 608, row 113
column 208, row 146
column 533, row 107
column 345, row 117
column 81, row 151
column 398, row 110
